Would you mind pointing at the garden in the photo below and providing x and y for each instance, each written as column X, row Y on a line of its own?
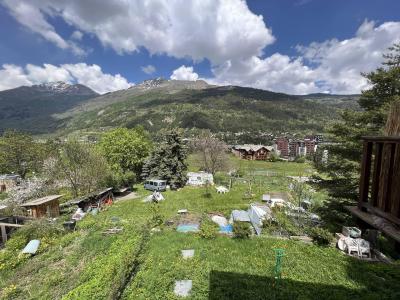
column 144, row 260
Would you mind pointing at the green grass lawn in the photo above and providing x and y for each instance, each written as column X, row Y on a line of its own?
column 86, row 264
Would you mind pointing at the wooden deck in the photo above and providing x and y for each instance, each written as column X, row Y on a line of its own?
column 377, row 222
column 379, row 198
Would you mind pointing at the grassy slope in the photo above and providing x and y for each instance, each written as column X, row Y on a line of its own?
column 88, row 265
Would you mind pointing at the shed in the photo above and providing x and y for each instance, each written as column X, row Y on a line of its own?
column 94, row 200
column 48, row 206
column 199, row 178
column 8, row 181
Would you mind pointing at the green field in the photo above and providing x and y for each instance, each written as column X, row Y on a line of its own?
column 141, row 264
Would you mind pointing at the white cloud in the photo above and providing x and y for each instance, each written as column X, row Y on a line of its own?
column 149, row 69
column 184, row 73
column 339, row 63
column 225, row 32
column 335, row 65
column 77, row 35
column 214, row 29
column 30, row 15
column 12, row 76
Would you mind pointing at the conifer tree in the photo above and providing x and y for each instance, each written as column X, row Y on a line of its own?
column 168, row 160
column 343, row 166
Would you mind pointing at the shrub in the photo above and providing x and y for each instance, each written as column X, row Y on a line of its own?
column 274, row 157
column 208, row 229
column 300, row 159
column 320, row 236
column 39, row 229
column 156, row 218
column 241, row 230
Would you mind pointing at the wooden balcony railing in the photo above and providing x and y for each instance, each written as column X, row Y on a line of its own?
column 380, row 178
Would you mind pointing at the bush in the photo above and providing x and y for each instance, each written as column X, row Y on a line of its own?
column 320, row 236
column 208, row 229
column 300, row 159
column 282, row 224
column 157, row 219
column 241, row 230
column 274, row 157
column 39, row 229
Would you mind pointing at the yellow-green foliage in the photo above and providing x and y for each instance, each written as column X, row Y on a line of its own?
column 102, row 278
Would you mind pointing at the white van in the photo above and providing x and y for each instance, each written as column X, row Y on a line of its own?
column 155, row 185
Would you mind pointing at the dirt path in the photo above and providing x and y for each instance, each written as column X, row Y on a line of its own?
column 130, row 196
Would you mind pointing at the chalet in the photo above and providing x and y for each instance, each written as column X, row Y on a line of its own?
column 8, row 181
column 252, row 152
column 199, row 178
column 48, row 206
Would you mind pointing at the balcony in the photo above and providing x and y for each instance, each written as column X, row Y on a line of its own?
column 379, row 200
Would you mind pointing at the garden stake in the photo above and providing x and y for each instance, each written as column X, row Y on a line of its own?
column 279, row 254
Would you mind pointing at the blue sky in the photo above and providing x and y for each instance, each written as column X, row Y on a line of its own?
column 298, row 46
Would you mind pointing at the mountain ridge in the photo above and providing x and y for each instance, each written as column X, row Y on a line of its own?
column 158, row 103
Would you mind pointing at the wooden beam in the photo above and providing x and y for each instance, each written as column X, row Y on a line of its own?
column 365, row 173
column 385, row 179
column 378, row 212
column 392, row 139
column 11, row 225
column 3, row 234
column 395, row 193
column 379, row 223
column 376, row 174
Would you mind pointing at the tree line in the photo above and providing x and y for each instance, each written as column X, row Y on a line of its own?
column 122, row 157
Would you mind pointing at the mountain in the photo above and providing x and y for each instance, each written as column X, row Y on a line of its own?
column 30, row 108
column 155, row 104
column 339, row 101
column 232, row 110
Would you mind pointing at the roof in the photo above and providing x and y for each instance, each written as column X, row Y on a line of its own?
column 251, row 147
column 88, row 197
column 156, row 180
column 198, row 174
column 41, row 200
column 9, row 177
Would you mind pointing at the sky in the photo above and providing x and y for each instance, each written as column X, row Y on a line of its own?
column 290, row 46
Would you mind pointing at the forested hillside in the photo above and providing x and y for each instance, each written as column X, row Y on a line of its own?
column 220, row 109
column 61, row 109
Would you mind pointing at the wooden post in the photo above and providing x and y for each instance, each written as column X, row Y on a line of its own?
column 3, row 234
column 395, row 193
column 386, row 177
column 377, row 173
column 365, row 174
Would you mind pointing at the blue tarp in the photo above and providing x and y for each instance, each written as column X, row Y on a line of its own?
column 226, row 229
column 188, row 228
column 31, row 247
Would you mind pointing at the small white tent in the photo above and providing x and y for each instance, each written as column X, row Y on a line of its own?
column 199, row 178
column 258, row 213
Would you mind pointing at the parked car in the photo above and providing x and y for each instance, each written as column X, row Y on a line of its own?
column 155, row 185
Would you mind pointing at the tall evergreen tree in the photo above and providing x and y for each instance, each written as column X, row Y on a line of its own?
column 343, row 166
column 168, row 160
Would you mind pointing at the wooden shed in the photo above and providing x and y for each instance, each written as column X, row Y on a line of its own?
column 48, row 206
column 97, row 199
